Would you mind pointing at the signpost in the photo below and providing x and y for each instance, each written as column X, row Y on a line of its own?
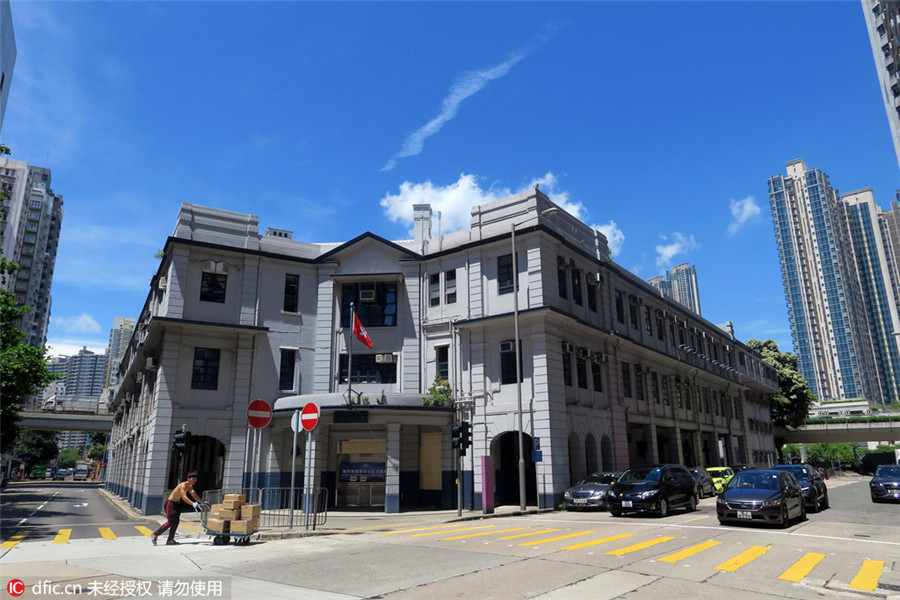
column 259, row 415
column 309, row 416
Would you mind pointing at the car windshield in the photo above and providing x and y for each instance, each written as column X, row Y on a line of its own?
column 641, row 474
column 601, row 478
column 887, row 471
column 719, row 471
column 798, row 471
column 754, row 480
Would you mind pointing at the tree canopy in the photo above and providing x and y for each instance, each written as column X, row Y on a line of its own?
column 37, row 447
column 790, row 405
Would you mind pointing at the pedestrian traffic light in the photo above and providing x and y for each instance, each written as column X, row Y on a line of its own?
column 181, row 440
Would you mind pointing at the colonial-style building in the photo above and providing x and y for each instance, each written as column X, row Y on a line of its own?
column 610, row 373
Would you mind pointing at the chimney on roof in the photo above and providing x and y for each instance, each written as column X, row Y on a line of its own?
column 422, row 218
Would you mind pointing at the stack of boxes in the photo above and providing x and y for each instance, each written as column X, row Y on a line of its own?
column 234, row 515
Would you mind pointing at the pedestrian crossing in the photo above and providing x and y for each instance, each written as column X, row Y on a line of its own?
column 721, row 556
column 64, row 536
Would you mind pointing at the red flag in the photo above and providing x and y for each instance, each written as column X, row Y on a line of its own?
column 360, row 332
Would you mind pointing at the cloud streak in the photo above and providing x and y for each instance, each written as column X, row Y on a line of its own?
column 465, row 87
column 742, row 212
column 682, row 244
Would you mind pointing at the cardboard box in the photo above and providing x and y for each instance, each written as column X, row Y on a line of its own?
column 229, row 513
column 244, row 526
column 250, row 511
column 218, row 525
column 214, row 510
column 241, row 498
column 232, row 504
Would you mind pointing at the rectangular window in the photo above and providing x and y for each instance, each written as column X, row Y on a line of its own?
column 286, row 372
column 206, row 369
column 567, row 368
column 639, row 386
column 291, row 293
column 665, row 390
column 654, row 386
column 592, row 297
column 581, row 372
column 375, row 303
column 620, row 307
column 505, row 274
column 659, row 328
column 561, row 283
column 212, row 287
column 450, row 284
column 434, row 289
column 626, row 379
column 597, row 376
column 633, row 314
column 508, row 363
column 648, row 320
column 367, row 370
column 442, row 360
column 576, row 286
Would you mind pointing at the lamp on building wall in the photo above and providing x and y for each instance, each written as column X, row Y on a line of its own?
column 545, row 213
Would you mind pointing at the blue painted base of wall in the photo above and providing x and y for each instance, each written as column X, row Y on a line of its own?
column 392, row 503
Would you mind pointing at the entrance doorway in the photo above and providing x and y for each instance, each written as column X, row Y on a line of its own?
column 505, row 452
column 361, row 474
column 206, row 455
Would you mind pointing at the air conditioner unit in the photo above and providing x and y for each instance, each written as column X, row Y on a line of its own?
column 208, row 265
column 150, row 364
column 638, row 369
column 162, row 284
column 598, row 357
column 562, row 261
column 591, row 279
column 379, row 358
column 138, row 377
column 367, row 296
column 583, row 353
column 211, row 266
column 507, row 346
column 568, row 348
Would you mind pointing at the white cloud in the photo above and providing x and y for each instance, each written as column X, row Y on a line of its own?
column 614, row 237
column 69, row 346
column 455, row 201
column 83, row 323
column 682, row 244
column 466, row 86
column 742, row 212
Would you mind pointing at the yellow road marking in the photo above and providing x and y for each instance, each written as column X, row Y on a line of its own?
column 14, row 540
column 62, row 537
column 554, row 539
column 688, row 552
column 452, row 531
column 867, row 577
column 145, row 530
column 107, row 533
column 641, row 546
column 742, row 559
column 596, row 542
column 471, row 535
column 802, row 567
column 419, row 529
column 521, row 535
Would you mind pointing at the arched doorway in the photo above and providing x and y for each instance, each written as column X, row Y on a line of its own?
column 606, row 456
column 576, row 467
column 206, row 455
column 505, row 452
column 590, row 454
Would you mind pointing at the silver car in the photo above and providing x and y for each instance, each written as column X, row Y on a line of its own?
column 591, row 492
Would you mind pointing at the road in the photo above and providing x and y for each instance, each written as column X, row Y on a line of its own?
column 849, row 551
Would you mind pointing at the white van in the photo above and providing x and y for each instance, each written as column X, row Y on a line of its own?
column 81, row 473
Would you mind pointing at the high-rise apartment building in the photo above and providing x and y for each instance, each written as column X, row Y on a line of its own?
column 119, row 336
column 7, row 55
column 30, row 223
column 833, row 265
column 84, row 373
column 680, row 285
column 883, row 22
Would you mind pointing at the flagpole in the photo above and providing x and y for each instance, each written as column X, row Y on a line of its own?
column 350, row 355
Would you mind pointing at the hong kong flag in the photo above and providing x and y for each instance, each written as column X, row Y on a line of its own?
column 360, row 332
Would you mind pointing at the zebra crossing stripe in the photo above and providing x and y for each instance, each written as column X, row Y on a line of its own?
column 596, row 542
column 554, row 539
column 471, row 535
column 868, row 575
column 14, row 540
column 452, row 531
column 688, row 552
column 62, row 537
column 144, row 530
column 802, row 567
column 419, row 529
column 107, row 533
column 641, row 546
column 742, row 559
column 521, row 535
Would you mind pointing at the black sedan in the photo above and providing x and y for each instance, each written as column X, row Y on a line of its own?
column 815, row 493
column 705, row 485
column 886, row 483
column 654, row 489
column 773, row 497
column 591, row 492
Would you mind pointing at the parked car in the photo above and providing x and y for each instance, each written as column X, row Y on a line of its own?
column 590, row 492
column 774, row 497
column 81, row 473
column 815, row 493
column 705, row 485
column 739, row 468
column 60, row 475
column 38, row 472
column 655, row 489
column 720, row 476
column 886, row 483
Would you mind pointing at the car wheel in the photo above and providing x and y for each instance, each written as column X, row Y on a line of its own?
column 663, row 508
column 825, row 503
column 721, row 522
column 785, row 516
column 802, row 512
column 615, row 513
column 814, row 507
column 692, row 504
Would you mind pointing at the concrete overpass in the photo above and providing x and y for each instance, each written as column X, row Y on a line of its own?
column 842, row 430
column 61, row 421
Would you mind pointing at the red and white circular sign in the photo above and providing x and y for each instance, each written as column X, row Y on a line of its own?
column 259, row 414
column 309, row 416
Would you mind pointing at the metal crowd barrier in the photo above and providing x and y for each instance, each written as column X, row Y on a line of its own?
column 275, row 505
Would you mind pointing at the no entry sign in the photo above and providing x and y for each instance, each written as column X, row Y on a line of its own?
column 309, row 416
column 259, row 414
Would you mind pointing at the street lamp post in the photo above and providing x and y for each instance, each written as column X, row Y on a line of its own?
column 515, row 265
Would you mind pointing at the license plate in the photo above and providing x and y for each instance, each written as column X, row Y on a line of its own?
column 626, row 503
column 580, row 501
column 744, row 514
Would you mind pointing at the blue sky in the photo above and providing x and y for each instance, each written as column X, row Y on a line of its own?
column 657, row 122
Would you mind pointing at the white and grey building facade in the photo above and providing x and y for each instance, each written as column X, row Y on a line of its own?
column 883, row 23
column 612, row 374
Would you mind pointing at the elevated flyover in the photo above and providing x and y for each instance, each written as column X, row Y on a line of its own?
column 66, row 421
column 854, row 429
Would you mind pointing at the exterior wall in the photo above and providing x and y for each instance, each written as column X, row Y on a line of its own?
column 883, row 22
column 578, row 427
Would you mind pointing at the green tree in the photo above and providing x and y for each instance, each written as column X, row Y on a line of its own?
column 69, row 457
column 790, row 405
column 439, row 394
column 23, row 368
column 97, row 438
column 37, row 447
column 830, row 452
column 96, row 452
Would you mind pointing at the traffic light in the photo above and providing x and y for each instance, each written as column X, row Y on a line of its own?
column 456, row 436
column 181, row 440
column 465, row 435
